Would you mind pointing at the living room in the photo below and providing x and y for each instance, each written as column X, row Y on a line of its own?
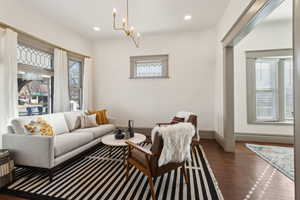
column 86, row 88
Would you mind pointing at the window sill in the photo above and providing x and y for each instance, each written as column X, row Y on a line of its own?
column 279, row 123
column 151, row 77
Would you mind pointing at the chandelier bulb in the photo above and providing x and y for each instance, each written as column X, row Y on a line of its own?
column 124, row 21
column 114, row 12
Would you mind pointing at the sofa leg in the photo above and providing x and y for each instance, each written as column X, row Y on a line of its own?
column 50, row 174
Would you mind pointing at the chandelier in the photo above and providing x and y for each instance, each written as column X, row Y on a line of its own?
column 126, row 28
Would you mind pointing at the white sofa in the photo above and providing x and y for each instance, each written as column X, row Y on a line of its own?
column 45, row 151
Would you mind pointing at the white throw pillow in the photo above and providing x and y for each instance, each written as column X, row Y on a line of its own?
column 58, row 122
column 88, row 121
column 18, row 127
column 73, row 119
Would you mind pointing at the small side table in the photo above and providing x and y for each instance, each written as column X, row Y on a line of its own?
column 7, row 170
column 111, row 141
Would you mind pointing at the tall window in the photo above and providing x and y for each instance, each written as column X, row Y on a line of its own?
column 75, row 83
column 149, row 66
column 270, row 86
column 35, row 80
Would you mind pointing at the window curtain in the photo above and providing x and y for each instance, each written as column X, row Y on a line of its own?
column 8, row 77
column 87, row 84
column 61, row 99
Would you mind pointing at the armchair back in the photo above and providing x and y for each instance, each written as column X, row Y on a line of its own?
column 193, row 119
column 156, row 149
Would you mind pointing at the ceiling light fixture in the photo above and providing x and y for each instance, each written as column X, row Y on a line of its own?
column 96, row 28
column 187, row 17
column 128, row 30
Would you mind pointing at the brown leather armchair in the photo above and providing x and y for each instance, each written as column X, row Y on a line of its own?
column 192, row 119
column 147, row 162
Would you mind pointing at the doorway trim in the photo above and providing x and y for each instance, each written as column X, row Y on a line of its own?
column 256, row 11
column 296, row 46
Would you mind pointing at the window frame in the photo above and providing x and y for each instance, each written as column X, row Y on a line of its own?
column 251, row 57
column 81, row 61
column 37, row 69
column 163, row 58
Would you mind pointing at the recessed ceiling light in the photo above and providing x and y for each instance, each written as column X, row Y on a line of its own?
column 96, row 28
column 187, row 17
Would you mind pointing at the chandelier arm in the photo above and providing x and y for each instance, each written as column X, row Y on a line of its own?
column 128, row 31
column 127, row 12
column 114, row 22
column 134, row 41
column 115, row 26
column 119, row 29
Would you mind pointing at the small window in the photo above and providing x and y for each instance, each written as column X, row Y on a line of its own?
column 270, row 86
column 75, row 83
column 149, row 67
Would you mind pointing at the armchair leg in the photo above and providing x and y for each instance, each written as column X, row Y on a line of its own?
column 151, row 188
column 127, row 171
column 183, row 170
column 194, row 149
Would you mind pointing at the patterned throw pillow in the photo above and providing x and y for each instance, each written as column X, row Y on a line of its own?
column 176, row 120
column 100, row 116
column 88, row 121
column 39, row 127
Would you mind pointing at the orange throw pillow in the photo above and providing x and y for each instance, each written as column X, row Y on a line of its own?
column 101, row 117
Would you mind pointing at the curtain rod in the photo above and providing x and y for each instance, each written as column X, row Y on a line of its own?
column 3, row 25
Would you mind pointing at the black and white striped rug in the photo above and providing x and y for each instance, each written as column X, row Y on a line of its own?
column 102, row 176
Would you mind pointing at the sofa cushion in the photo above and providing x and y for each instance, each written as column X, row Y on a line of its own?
column 65, row 143
column 98, row 131
column 73, row 119
column 56, row 120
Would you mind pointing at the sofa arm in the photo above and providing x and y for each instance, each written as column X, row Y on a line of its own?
column 27, row 150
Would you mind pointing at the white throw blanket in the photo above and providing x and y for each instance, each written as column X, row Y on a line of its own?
column 177, row 142
column 184, row 114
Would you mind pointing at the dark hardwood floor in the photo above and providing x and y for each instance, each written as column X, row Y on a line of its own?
column 245, row 176
column 241, row 176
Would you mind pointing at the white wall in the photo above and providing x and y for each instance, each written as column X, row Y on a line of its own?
column 269, row 35
column 190, row 87
column 231, row 14
column 18, row 14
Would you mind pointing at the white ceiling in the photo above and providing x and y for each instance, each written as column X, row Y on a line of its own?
column 283, row 12
column 147, row 16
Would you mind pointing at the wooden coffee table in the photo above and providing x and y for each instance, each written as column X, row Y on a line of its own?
column 111, row 141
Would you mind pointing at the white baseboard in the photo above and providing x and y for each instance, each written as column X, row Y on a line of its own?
column 220, row 140
column 264, row 138
column 207, row 134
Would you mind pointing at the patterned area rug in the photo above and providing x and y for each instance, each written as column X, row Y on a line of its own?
column 102, row 176
column 282, row 158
